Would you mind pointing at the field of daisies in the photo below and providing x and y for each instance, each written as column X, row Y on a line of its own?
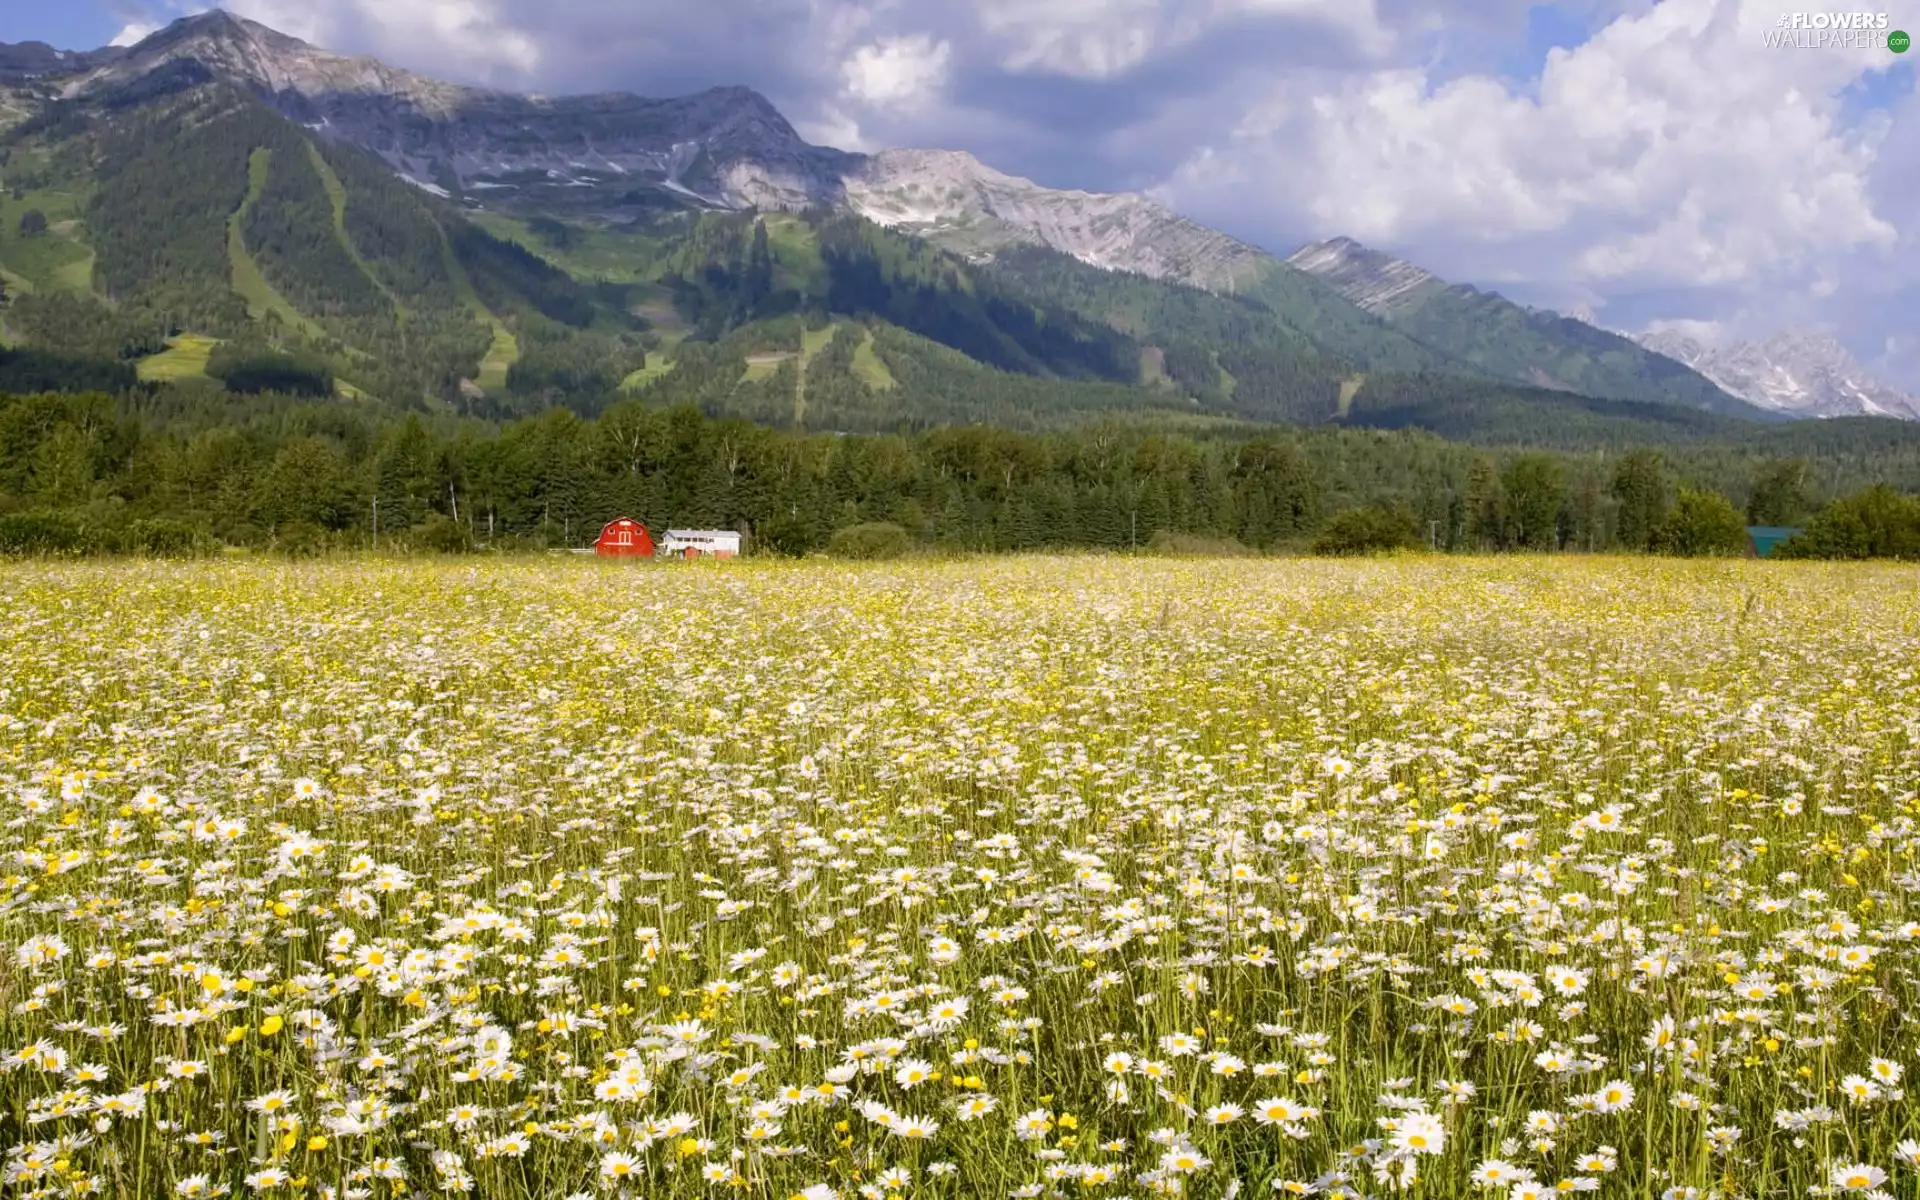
column 1038, row 877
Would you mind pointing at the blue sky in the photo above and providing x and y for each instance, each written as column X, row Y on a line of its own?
column 1639, row 160
column 80, row 24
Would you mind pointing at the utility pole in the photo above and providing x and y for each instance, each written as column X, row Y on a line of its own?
column 1133, row 530
column 376, row 520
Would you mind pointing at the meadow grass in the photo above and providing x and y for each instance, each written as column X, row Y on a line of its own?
column 868, row 367
column 185, row 357
column 502, row 352
column 1044, row 876
column 58, row 259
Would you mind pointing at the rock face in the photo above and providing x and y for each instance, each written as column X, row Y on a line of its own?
column 724, row 148
column 950, row 197
column 1377, row 282
column 1801, row 374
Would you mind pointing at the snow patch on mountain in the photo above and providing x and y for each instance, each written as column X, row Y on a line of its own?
column 1801, row 373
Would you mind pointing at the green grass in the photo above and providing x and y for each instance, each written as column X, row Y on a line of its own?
column 263, row 299
column 796, row 254
column 657, row 365
column 868, row 367
column 501, row 355
column 591, row 254
column 58, row 260
column 763, row 366
column 337, row 194
column 1349, row 388
column 1153, row 368
column 15, row 282
column 184, row 358
column 813, row 341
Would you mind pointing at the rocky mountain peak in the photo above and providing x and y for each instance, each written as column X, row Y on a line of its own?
column 1375, row 281
column 1798, row 372
column 951, row 197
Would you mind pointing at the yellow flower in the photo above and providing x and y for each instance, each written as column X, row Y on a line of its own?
column 271, row 1026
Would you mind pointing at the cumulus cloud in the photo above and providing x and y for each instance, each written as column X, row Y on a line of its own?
column 1102, row 38
column 1671, row 152
column 906, row 71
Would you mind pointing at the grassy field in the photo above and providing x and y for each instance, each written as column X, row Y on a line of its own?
column 502, row 353
column 868, row 367
column 1006, row 878
column 184, row 358
column 57, row 259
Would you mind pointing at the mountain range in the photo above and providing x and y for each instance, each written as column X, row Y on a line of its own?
column 1800, row 374
column 222, row 201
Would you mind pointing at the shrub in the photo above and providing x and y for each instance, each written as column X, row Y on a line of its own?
column 164, row 538
column 1366, row 531
column 785, row 535
column 443, row 536
column 1875, row 523
column 44, row 533
column 872, row 541
column 1701, row 524
column 299, row 539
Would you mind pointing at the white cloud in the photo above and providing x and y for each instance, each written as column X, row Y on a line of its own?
column 1707, row 333
column 1099, row 39
column 133, row 32
column 906, row 72
column 1671, row 149
column 471, row 39
column 833, row 127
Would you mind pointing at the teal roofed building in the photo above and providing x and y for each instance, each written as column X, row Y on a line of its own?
column 1766, row 537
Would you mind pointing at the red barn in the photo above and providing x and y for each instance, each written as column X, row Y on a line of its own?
column 624, row 538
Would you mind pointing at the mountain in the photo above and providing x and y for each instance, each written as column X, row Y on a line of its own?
column 221, row 185
column 1509, row 340
column 1797, row 374
column 606, row 156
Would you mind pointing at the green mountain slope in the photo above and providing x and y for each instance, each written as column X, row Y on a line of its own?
column 207, row 214
column 188, row 234
column 1507, row 340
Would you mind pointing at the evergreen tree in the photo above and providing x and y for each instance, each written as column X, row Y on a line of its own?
column 1643, row 492
column 1780, row 493
column 1536, row 490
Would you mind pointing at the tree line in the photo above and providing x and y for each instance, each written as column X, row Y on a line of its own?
column 279, row 471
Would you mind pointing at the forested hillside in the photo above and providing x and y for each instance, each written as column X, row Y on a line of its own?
column 200, row 214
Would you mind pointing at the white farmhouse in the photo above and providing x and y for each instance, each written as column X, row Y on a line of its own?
column 700, row 543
